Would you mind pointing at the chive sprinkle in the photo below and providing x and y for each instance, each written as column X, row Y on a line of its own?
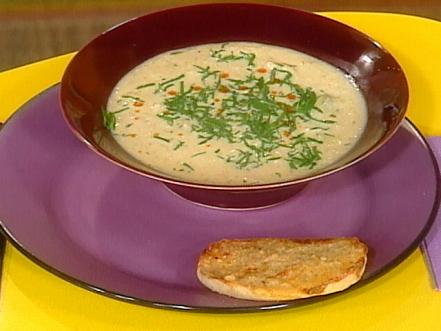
column 197, row 154
column 109, row 120
column 145, row 85
column 161, row 138
column 121, row 110
column 179, row 145
column 131, row 97
column 261, row 111
column 168, row 83
column 185, row 164
column 262, row 117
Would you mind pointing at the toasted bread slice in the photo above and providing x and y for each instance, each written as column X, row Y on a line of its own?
column 281, row 269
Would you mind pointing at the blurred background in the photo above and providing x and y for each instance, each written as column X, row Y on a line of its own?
column 31, row 30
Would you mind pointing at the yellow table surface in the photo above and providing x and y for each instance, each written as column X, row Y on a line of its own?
column 403, row 299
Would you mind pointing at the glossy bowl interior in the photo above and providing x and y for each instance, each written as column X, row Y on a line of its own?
column 96, row 69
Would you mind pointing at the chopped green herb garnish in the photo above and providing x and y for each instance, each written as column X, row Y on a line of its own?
column 197, row 154
column 319, row 128
column 121, row 110
column 187, row 166
column 109, row 120
column 161, row 138
column 302, row 154
column 145, row 85
column 220, row 55
column 206, row 73
column 163, row 86
column 179, row 145
column 263, row 117
column 131, row 97
column 282, row 64
column 260, row 111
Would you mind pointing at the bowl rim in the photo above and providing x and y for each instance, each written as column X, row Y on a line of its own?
column 246, row 187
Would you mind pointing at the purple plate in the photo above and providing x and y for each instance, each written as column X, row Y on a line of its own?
column 128, row 237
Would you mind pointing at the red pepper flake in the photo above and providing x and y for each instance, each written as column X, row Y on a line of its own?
column 262, row 70
column 223, row 89
column 286, row 133
column 197, row 88
column 242, row 87
column 291, row 96
column 137, row 110
column 273, row 92
column 172, row 92
column 225, row 75
column 138, row 103
column 216, row 99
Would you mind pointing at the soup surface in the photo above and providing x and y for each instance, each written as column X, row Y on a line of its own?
column 236, row 113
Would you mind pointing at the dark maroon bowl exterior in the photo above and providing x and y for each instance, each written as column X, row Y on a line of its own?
column 96, row 69
column 236, row 199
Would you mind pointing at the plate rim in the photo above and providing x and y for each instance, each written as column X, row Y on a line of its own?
column 242, row 309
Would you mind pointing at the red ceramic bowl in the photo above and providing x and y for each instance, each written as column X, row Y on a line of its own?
column 96, row 69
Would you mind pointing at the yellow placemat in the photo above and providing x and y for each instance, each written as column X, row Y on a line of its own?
column 33, row 299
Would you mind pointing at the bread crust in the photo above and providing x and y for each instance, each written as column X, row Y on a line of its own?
column 277, row 269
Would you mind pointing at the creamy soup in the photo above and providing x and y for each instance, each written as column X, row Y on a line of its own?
column 236, row 113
